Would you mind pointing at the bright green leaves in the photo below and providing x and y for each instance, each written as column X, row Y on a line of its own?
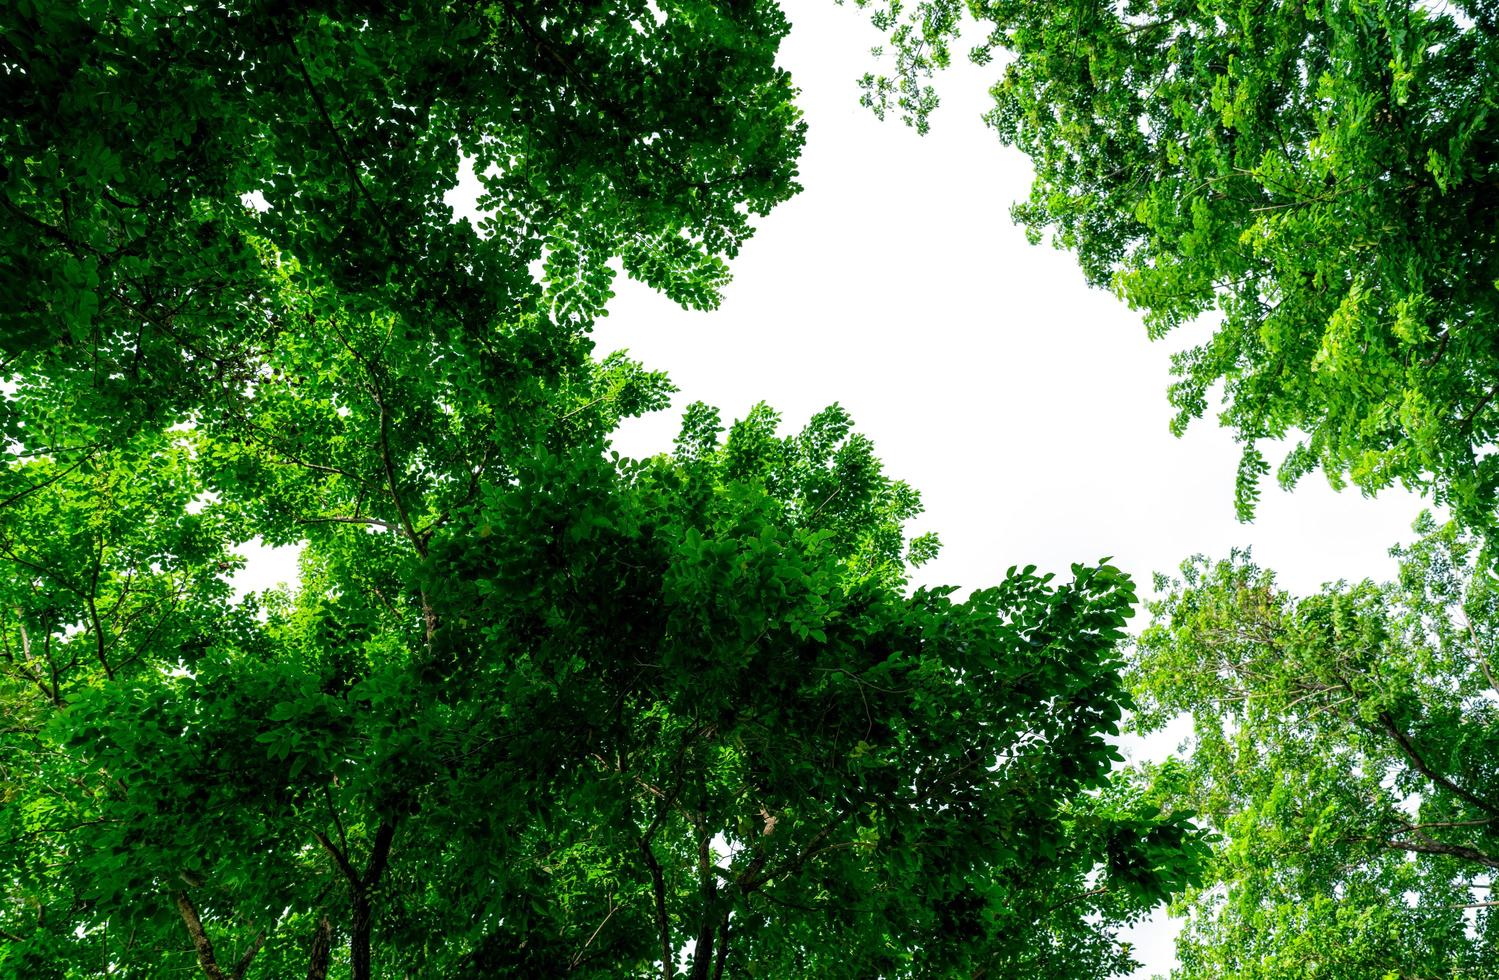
column 235, row 308
column 1344, row 749
column 600, row 134
column 530, row 709
column 920, row 38
column 1314, row 174
column 674, row 265
column 576, row 276
column 92, row 590
column 1252, row 469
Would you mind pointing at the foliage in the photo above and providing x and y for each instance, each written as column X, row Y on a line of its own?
column 150, row 150
column 1347, row 750
column 617, row 706
column 1319, row 176
column 530, row 709
column 800, row 762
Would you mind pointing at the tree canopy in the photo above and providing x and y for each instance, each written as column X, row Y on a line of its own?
column 618, row 707
column 1346, row 748
column 531, row 709
column 157, row 155
column 1319, row 179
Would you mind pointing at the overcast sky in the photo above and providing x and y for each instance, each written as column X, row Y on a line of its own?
column 1029, row 409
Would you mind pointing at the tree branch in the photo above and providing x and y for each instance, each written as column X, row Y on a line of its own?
column 1449, row 850
column 339, row 857
column 20, row 495
column 379, row 854
column 204, row 947
column 244, row 961
column 1408, row 749
column 663, row 923
column 338, row 142
column 201, row 942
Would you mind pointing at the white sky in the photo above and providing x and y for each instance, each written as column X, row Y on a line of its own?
column 1029, row 409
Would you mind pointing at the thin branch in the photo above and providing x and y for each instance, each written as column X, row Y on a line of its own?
column 1467, row 420
column 663, row 923
column 348, row 519
column 338, row 141
column 1483, row 660
column 338, row 824
column 578, row 956
column 1448, row 850
column 390, row 473
column 243, row 963
column 101, row 643
column 1408, row 748
column 658, row 878
column 1449, row 823
column 20, row 495
column 339, row 857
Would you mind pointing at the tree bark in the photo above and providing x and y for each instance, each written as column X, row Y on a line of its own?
column 702, row 954
column 322, row 950
column 359, row 938
column 361, row 912
column 202, row 945
column 361, row 888
column 721, row 957
column 1451, row 850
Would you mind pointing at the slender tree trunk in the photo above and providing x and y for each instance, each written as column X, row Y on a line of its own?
column 722, row 956
column 362, row 914
column 359, row 938
column 322, row 949
column 201, row 943
column 702, row 955
column 204, row 947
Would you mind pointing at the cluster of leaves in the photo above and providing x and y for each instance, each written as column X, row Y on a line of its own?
column 530, row 710
column 1322, row 175
column 739, row 729
column 1347, row 750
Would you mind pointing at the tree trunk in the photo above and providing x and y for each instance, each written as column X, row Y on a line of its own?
column 322, row 949
column 359, row 938
column 201, row 943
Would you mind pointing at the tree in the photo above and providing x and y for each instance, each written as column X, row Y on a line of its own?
column 531, row 709
column 613, row 710
column 1347, row 750
column 1322, row 177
